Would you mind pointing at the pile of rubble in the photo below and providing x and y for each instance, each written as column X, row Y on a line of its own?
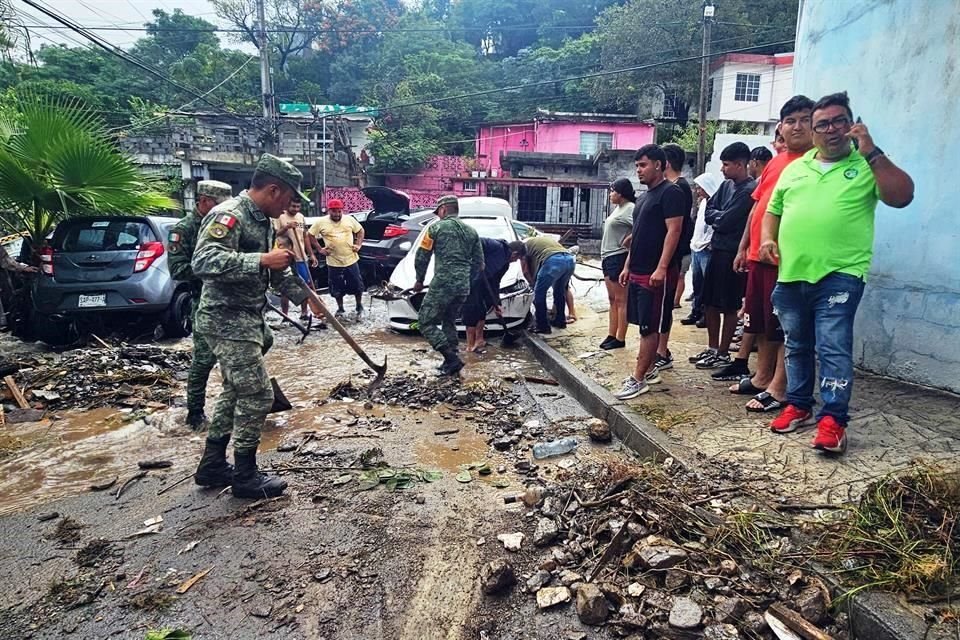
column 128, row 375
column 655, row 550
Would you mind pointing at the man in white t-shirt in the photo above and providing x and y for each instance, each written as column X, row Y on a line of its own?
column 706, row 185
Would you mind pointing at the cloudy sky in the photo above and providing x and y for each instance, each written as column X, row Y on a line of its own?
column 131, row 14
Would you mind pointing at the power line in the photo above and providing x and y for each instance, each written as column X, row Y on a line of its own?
column 371, row 30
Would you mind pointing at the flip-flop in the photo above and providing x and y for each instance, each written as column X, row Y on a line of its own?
column 768, row 402
column 745, row 387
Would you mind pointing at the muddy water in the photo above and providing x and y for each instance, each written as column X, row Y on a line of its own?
column 54, row 458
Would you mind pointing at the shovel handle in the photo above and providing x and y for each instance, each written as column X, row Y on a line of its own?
column 335, row 323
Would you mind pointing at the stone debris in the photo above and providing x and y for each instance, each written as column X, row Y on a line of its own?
column 685, row 614
column 721, row 632
column 552, row 596
column 591, row 605
column 599, row 430
column 497, row 577
column 511, row 541
column 546, row 532
column 538, row 581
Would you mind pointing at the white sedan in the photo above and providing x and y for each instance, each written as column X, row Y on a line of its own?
column 515, row 293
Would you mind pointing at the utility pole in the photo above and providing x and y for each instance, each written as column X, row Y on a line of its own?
column 266, row 86
column 708, row 11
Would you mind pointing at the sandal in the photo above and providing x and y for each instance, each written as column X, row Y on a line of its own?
column 745, row 387
column 767, row 402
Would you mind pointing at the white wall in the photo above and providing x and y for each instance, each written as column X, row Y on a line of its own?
column 725, row 139
column 776, row 83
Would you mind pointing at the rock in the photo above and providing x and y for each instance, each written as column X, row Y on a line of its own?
column 661, row 557
column 728, row 567
column 613, row 594
column 637, row 530
column 17, row 416
column 685, row 614
column 599, row 430
column 497, row 576
column 721, row 632
column 754, row 622
column 631, row 560
column 631, row 617
column 675, row 579
column 368, row 405
column 538, row 581
column 546, row 532
column 548, row 565
column 591, row 604
column 551, row 507
column 730, row 610
column 511, row 541
column 811, row 604
column 568, row 578
column 635, row 589
column 713, row 583
column 323, row 574
column 552, row 596
column 502, row 444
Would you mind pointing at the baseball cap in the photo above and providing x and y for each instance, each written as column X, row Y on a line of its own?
column 335, row 203
column 282, row 170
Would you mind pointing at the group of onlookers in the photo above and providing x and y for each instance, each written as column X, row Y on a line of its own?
column 779, row 249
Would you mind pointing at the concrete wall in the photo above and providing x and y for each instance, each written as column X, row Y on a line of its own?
column 776, row 84
column 900, row 62
column 494, row 140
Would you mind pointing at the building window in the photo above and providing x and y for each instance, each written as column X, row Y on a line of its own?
column 532, row 204
column 669, row 100
column 748, row 87
column 710, row 95
column 469, row 185
column 591, row 142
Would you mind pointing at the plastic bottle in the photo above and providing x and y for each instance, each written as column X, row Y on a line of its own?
column 543, row 450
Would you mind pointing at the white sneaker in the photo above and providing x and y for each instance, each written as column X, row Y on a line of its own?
column 631, row 389
column 653, row 377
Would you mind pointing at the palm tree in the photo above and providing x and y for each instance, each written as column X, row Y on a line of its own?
column 57, row 161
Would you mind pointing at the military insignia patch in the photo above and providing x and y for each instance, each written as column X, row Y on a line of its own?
column 427, row 243
column 173, row 236
column 174, row 247
column 218, row 230
column 227, row 220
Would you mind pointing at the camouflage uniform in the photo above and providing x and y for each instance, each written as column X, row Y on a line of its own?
column 182, row 241
column 230, row 316
column 458, row 258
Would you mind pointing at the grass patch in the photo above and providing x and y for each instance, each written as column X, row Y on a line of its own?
column 94, row 553
column 903, row 536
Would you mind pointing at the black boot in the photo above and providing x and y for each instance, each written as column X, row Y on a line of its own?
column 248, row 482
column 451, row 362
column 196, row 420
column 214, row 470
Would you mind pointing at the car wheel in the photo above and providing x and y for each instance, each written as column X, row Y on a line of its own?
column 176, row 321
column 55, row 332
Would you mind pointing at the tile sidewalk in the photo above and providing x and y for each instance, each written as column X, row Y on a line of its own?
column 893, row 425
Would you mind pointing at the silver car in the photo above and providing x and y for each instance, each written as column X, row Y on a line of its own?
column 113, row 265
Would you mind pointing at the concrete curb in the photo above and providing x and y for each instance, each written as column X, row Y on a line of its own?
column 873, row 615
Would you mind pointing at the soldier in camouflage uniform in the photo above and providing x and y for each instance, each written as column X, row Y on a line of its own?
column 459, row 257
column 182, row 240
column 236, row 260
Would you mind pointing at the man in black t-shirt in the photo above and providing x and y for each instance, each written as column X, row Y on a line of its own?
column 651, row 272
column 681, row 257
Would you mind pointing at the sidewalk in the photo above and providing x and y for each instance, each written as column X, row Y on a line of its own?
column 893, row 426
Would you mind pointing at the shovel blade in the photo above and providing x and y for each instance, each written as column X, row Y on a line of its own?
column 280, row 402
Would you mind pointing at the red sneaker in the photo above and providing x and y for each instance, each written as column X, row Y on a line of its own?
column 790, row 419
column 831, row 437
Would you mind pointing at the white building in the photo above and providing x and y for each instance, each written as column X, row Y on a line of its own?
column 746, row 87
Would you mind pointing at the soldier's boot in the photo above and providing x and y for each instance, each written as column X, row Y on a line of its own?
column 452, row 364
column 214, row 470
column 196, row 419
column 248, row 482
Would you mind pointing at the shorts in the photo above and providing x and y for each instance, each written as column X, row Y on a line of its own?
column 613, row 266
column 477, row 304
column 723, row 287
column 301, row 270
column 758, row 315
column 651, row 308
column 345, row 280
column 685, row 263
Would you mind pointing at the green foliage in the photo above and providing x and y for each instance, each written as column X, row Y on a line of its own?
column 57, row 161
column 688, row 138
column 168, row 634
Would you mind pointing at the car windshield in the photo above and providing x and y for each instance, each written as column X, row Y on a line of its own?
column 102, row 235
column 495, row 228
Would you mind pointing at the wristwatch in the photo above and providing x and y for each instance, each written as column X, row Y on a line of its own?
column 873, row 155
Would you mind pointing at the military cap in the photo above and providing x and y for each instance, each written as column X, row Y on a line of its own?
column 215, row 189
column 282, row 170
column 451, row 200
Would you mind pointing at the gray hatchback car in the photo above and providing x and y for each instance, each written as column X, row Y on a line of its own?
column 108, row 265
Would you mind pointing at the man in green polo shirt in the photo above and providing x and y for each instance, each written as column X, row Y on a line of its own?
column 819, row 226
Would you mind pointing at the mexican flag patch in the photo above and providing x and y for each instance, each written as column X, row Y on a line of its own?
column 173, row 236
column 227, row 220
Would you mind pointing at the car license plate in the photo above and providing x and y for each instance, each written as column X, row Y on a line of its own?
column 99, row 300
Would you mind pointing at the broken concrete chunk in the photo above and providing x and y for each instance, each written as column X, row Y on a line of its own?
column 811, row 604
column 599, row 430
column 659, row 557
column 631, row 617
column 591, row 604
column 675, row 579
column 730, row 610
column 635, row 589
column 497, row 576
column 511, row 541
column 546, row 532
column 568, row 577
column 685, row 614
column 721, row 632
column 538, row 581
column 552, row 596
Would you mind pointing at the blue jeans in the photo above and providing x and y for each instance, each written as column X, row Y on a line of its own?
column 555, row 272
column 817, row 320
column 699, row 265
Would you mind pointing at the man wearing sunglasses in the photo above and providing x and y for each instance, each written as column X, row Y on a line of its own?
column 819, row 227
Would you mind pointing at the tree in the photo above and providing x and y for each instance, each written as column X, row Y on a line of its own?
column 57, row 161
column 173, row 36
column 286, row 20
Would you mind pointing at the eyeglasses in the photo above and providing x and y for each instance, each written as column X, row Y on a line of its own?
column 822, row 126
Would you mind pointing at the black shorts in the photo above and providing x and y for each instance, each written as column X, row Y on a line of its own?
column 723, row 287
column 345, row 280
column 476, row 305
column 758, row 315
column 613, row 266
column 651, row 308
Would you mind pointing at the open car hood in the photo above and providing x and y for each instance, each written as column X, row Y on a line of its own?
column 387, row 200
